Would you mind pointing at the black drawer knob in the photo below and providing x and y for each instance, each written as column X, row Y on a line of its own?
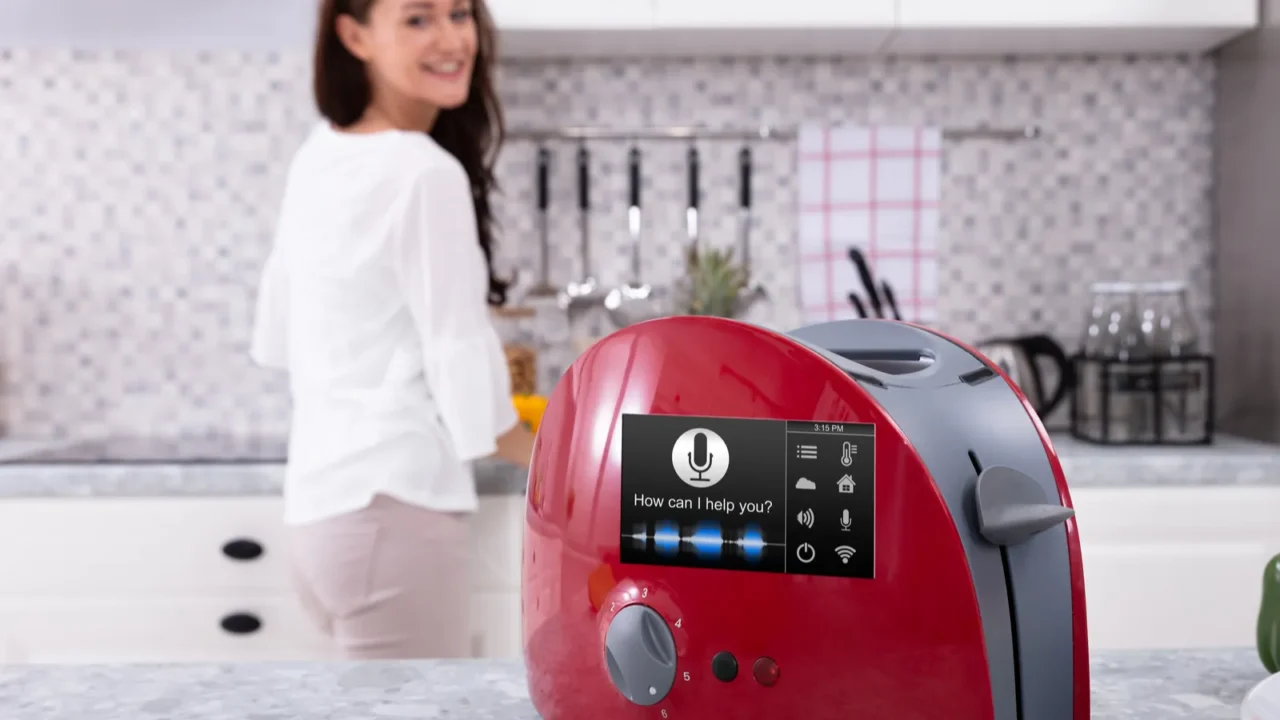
column 242, row 549
column 241, row 623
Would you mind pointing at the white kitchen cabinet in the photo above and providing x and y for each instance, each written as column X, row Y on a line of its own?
column 147, row 580
column 158, row 24
column 1174, row 567
column 572, row 14
column 710, row 27
column 806, row 14
column 673, row 28
column 1081, row 26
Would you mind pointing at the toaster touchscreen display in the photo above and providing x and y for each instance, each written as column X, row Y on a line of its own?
column 780, row 496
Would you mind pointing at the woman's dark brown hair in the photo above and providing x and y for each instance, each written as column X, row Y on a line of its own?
column 471, row 133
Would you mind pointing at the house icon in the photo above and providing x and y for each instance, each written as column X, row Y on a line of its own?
column 845, row 484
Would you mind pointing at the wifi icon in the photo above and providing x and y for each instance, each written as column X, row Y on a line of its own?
column 845, row 552
column 806, row 518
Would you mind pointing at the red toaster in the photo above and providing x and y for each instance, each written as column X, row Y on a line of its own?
column 856, row 519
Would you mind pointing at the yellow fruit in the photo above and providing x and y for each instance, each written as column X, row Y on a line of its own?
column 529, row 409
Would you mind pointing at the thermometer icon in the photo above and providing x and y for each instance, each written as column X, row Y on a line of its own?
column 846, row 457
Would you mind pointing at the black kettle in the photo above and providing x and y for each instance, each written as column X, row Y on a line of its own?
column 1019, row 358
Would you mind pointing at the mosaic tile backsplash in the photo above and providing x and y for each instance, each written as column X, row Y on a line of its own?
column 139, row 194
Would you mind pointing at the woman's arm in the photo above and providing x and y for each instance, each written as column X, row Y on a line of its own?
column 440, row 270
column 516, row 446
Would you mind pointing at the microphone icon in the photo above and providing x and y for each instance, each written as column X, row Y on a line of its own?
column 845, row 521
column 700, row 459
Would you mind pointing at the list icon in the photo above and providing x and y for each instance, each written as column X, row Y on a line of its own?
column 807, row 452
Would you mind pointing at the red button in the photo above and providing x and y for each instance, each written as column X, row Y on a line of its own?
column 765, row 671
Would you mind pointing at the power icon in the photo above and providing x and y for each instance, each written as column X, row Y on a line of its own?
column 805, row 553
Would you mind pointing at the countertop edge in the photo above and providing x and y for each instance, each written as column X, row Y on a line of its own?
column 1230, row 462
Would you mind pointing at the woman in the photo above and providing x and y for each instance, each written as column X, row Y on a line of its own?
column 375, row 300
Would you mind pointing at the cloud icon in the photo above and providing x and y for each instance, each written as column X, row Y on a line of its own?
column 805, row 484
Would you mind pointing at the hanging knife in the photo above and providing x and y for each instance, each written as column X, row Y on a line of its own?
column 890, row 300
column 857, row 305
column 744, row 206
column 691, row 215
column 864, row 272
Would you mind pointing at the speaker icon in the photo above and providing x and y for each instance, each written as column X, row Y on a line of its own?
column 806, row 517
column 845, row 552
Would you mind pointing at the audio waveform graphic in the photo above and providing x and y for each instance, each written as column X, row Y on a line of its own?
column 706, row 540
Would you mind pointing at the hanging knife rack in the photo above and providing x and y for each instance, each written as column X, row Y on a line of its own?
column 764, row 132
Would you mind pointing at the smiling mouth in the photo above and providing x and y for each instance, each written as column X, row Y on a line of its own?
column 448, row 70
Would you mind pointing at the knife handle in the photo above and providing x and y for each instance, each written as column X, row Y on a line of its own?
column 544, row 177
column 744, row 178
column 633, row 170
column 857, row 305
column 693, row 177
column 584, row 178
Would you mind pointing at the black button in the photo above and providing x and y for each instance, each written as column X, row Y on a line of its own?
column 724, row 666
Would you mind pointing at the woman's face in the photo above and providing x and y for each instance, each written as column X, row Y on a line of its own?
column 419, row 50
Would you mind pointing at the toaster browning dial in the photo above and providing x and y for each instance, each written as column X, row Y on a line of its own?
column 640, row 654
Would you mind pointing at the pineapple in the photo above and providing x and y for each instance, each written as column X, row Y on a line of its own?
column 713, row 284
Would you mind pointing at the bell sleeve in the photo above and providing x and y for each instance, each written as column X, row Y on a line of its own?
column 442, row 276
column 269, row 346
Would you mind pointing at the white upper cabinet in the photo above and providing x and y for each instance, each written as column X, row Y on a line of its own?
column 679, row 28
column 768, row 27
column 1068, row 26
column 159, row 24
column 865, row 27
column 516, row 15
column 573, row 28
column 806, row 14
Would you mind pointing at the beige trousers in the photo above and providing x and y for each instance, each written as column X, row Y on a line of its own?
column 390, row 581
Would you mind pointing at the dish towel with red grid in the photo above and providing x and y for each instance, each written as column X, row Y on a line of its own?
column 877, row 189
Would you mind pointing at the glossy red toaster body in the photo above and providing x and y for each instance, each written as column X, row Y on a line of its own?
column 857, row 519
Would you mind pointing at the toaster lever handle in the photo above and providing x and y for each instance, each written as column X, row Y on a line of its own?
column 1012, row 507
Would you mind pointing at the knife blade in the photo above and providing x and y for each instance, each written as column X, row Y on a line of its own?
column 856, row 302
column 860, row 262
column 890, row 299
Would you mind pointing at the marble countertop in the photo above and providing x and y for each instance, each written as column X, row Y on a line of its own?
column 1171, row 685
column 131, row 467
column 209, row 467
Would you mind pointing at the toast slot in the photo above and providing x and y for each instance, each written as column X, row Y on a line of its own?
column 1008, row 588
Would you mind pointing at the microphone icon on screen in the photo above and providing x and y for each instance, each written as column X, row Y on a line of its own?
column 700, row 459
column 845, row 521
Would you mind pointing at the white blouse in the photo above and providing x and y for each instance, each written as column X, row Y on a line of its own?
column 373, row 299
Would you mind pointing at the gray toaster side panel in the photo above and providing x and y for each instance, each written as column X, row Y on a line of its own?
column 945, row 454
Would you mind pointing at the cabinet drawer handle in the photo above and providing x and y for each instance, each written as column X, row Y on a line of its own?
column 241, row 623
column 242, row 549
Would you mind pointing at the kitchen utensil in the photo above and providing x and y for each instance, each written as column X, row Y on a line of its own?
column 585, row 293
column 637, row 501
column 691, row 211
column 858, row 307
column 864, row 272
column 1019, row 358
column 635, row 301
column 890, row 299
column 544, row 288
column 754, row 292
